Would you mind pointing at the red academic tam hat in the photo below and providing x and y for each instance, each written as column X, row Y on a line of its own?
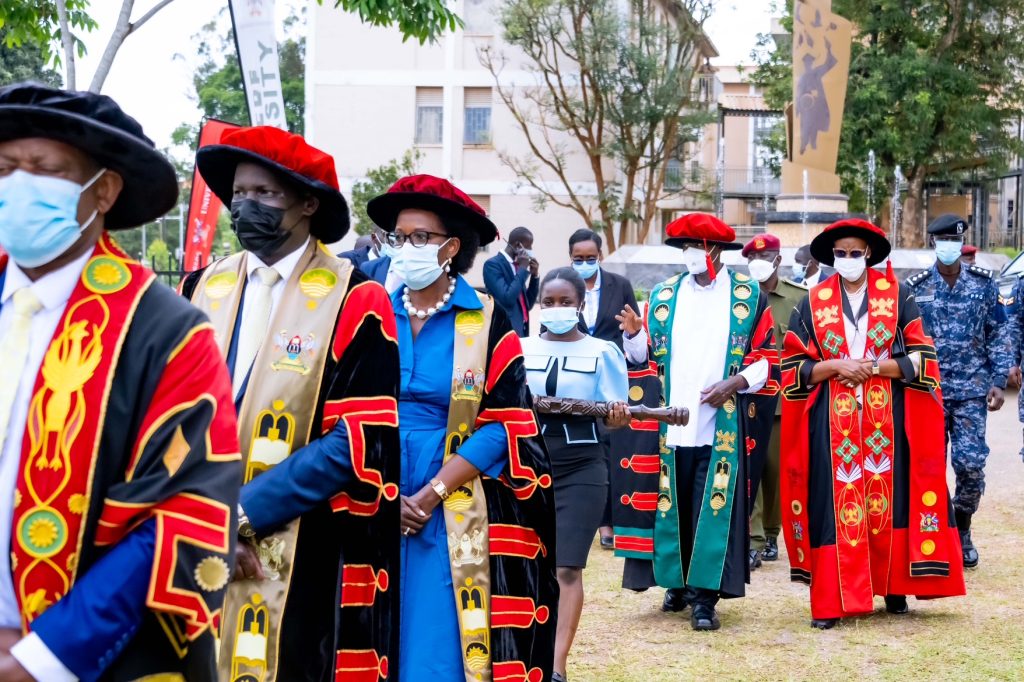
column 701, row 228
column 760, row 243
column 429, row 193
column 822, row 245
column 968, row 250
column 284, row 153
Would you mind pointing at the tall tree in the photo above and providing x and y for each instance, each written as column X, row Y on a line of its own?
column 614, row 80
column 935, row 87
column 55, row 26
column 25, row 63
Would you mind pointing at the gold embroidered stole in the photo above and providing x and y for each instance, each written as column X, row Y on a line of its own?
column 65, row 423
column 275, row 419
column 465, row 510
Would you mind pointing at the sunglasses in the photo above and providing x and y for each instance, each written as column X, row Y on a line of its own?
column 852, row 253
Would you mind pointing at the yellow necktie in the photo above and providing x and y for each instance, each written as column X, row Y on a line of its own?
column 13, row 353
column 254, row 325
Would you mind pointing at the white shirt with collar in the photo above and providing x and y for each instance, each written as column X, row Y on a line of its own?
column 700, row 347
column 53, row 290
column 515, row 268
column 593, row 300
column 285, row 267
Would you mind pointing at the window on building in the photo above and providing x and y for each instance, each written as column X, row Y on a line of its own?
column 673, row 174
column 429, row 115
column 478, row 116
column 484, row 202
column 761, row 154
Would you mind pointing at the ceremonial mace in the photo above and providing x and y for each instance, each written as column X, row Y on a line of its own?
column 544, row 404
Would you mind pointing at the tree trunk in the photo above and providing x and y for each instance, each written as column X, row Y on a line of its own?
column 67, row 42
column 911, row 232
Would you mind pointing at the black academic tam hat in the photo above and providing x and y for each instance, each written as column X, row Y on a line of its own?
column 97, row 126
column 948, row 224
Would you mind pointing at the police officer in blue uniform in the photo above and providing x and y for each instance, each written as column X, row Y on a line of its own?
column 961, row 311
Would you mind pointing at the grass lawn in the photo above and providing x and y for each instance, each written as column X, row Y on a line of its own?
column 767, row 635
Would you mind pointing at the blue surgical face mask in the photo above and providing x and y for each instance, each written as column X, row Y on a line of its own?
column 948, row 252
column 559, row 320
column 39, row 216
column 799, row 271
column 418, row 266
column 586, row 270
column 387, row 251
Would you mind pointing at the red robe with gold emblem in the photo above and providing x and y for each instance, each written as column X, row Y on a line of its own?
column 130, row 468
column 864, row 500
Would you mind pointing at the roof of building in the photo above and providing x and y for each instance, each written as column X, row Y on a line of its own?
column 744, row 103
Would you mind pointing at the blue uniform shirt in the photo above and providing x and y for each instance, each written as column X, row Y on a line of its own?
column 968, row 324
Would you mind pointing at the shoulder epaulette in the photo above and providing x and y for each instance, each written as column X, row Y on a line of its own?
column 797, row 285
column 980, row 272
column 914, row 280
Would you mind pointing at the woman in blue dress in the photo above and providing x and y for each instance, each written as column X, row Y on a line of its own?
column 478, row 586
column 564, row 362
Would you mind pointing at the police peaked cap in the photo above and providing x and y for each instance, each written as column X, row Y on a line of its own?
column 949, row 224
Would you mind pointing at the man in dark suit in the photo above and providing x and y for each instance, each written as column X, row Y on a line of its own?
column 512, row 278
column 379, row 269
column 604, row 314
column 360, row 253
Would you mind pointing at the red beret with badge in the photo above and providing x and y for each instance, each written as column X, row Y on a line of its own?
column 760, row 244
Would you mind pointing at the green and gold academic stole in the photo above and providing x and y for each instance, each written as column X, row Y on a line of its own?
column 711, row 539
column 465, row 510
column 275, row 420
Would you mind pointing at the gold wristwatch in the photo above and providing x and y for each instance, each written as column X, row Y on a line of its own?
column 440, row 488
column 245, row 528
column 875, row 369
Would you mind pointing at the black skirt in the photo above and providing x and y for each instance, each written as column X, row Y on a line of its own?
column 579, row 463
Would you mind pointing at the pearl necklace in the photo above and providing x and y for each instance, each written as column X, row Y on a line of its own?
column 424, row 314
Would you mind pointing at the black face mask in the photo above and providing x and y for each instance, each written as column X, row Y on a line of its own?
column 258, row 227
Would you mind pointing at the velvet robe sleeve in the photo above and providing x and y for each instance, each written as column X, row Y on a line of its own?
column 521, row 513
column 183, row 474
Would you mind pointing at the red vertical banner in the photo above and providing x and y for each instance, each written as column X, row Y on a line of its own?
column 204, row 206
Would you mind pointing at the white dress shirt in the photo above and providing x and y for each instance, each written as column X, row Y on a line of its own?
column 592, row 300
column 285, row 267
column 700, row 347
column 53, row 291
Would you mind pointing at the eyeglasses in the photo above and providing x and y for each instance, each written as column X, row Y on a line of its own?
column 852, row 253
column 589, row 261
column 418, row 238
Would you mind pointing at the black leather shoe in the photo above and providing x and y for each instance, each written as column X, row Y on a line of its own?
column 608, row 542
column 755, row 559
column 896, row 604
column 771, row 550
column 824, row 623
column 675, row 601
column 704, row 618
column 963, row 525
column 558, row 677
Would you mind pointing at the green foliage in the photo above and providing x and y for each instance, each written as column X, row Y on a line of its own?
column 378, row 180
column 934, row 87
column 424, row 20
column 617, row 81
column 24, row 63
column 34, row 22
column 157, row 253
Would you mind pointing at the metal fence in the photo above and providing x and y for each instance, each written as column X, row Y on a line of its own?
column 729, row 182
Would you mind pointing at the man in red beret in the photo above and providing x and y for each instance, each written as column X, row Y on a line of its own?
column 714, row 346
column 311, row 345
column 865, row 508
column 968, row 254
column 763, row 254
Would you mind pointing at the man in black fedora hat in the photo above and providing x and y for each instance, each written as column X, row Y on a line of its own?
column 312, row 346
column 119, row 465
